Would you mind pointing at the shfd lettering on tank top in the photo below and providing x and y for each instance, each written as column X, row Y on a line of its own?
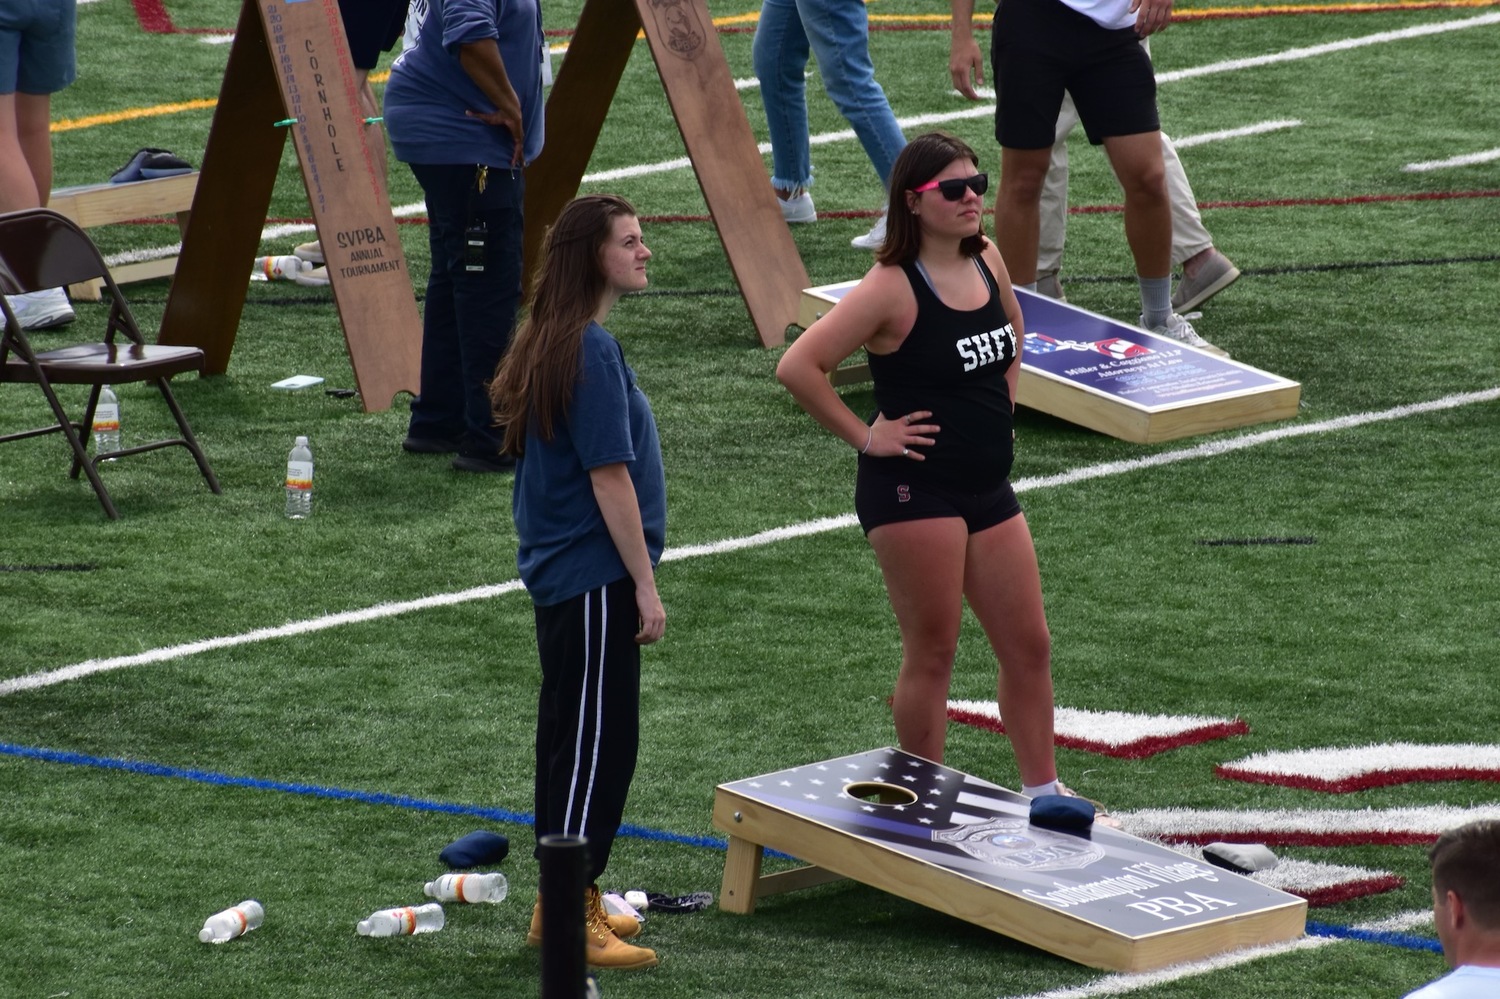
column 997, row 345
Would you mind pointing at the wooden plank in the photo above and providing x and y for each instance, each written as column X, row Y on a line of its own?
column 965, row 847
column 580, row 97
column 239, row 169
column 728, row 163
column 741, row 871
column 103, row 204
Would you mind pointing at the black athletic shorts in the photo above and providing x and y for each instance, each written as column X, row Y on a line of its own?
column 892, row 490
column 372, row 27
column 1040, row 48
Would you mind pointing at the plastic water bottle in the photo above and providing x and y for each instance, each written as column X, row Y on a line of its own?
column 468, row 888
column 107, row 422
column 224, row 926
column 403, row 922
column 299, row 479
column 276, row 268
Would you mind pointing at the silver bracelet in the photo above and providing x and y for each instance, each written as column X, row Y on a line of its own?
column 869, row 437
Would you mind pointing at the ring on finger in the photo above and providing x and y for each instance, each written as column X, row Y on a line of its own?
column 904, row 452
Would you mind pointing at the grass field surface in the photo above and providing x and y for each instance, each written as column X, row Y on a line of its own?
column 204, row 702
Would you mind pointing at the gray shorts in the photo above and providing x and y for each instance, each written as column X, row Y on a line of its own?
column 36, row 46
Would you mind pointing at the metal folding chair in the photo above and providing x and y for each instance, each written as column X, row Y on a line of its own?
column 40, row 249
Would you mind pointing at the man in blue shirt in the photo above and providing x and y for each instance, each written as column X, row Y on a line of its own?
column 1466, row 909
column 464, row 109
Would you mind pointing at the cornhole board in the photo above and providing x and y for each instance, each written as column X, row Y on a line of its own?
column 963, row 846
column 290, row 62
column 103, row 204
column 1115, row 378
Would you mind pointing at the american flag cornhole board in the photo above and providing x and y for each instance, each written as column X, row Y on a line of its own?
column 1113, row 377
column 963, row 846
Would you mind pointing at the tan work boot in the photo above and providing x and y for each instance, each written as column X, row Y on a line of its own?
column 623, row 925
column 603, row 949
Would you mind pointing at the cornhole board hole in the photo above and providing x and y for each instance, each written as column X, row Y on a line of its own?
column 963, row 846
column 1115, row 378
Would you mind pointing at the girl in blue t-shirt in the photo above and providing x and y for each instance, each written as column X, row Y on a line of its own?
column 590, row 512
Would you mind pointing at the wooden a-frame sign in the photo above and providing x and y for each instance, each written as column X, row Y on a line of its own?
column 714, row 128
column 290, row 59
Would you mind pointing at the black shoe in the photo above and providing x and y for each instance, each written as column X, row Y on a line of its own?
column 429, row 445
column 475, row 462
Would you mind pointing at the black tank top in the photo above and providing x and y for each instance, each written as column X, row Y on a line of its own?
column 953, row 362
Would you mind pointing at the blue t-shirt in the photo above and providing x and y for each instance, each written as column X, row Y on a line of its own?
column 429, row 91
column 564, row 545
column 1469, row 981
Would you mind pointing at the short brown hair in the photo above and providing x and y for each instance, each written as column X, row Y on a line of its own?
column 1466, row 861
column 923, row 159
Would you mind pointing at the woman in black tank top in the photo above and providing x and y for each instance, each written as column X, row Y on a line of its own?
column 943, row 331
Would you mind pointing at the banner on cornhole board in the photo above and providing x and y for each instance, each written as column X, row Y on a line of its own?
column 1116, row 378
column 961, row 845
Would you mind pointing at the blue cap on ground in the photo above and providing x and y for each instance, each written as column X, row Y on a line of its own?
column 478, row 849
column 1059, row 811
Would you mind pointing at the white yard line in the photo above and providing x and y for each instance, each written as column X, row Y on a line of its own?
column 1207, row 449
column 1468, row 159
column 1115, row 985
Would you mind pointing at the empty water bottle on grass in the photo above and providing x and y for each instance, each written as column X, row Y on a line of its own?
column 299, row 476
column 402, row 922
column 468, row 888
column 107, row 422
column 224, row 926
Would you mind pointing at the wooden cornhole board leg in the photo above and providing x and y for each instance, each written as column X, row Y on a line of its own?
column 963, row 846
column 291, row 60
column 714, row 128
column 743, row 882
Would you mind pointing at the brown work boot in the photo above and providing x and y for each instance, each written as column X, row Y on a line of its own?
column 623, row 925
column 604, row 949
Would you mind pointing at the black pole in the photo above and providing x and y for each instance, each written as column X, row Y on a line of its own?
column 562, row 886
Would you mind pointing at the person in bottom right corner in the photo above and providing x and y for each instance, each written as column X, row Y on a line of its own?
column 1466, row 909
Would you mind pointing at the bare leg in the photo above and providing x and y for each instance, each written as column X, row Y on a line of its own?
column 1017, row 209
column 1003, row 586
column 923, row 565
column 1137, row 163
column 25, row 151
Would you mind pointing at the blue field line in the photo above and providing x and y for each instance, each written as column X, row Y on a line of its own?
column 335, row 793
column 1405, row 940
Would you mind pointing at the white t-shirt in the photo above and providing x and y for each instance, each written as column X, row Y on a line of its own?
column 1469, row 981
column 1105, row 13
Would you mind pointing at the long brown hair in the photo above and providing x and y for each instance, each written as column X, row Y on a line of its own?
column 535, row 377
column 923, row 159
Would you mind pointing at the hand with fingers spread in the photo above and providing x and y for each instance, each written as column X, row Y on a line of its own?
column 899, row 438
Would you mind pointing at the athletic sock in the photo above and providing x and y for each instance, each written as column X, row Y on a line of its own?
column 1156, row 301
column 1036, row 792
column 1029, row 287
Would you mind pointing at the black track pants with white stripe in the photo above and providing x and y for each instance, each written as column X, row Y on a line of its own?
column 588, row 716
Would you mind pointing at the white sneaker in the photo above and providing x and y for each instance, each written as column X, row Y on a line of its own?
column 312, row 253
column 42, row 310
column 1179, row 329
column 872, row 240
column 798, row 209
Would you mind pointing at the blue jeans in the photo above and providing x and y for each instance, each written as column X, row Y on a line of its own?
column 469, row 315
column 838, row 33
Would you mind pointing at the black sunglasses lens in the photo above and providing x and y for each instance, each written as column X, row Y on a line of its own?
column 953, row 188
